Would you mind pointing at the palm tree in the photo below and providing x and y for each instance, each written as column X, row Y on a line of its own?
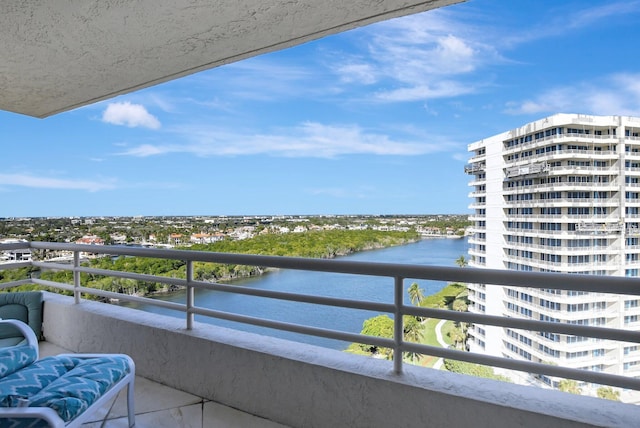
column 570, row 386
column 609, row 393
column 416, row 294
column 461, row 261
column 413, row 332
column 458, row 336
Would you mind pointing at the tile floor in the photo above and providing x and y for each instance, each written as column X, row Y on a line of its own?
column 158, row 406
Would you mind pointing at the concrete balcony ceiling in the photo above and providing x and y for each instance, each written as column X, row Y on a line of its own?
column 63, row 54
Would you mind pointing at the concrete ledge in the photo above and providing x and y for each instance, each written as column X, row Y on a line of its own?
column 306, row 386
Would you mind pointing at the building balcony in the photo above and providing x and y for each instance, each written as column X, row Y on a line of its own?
column 563, row 138
column 280, row 382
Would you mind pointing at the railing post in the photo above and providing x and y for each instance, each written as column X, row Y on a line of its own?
column 398, row 329
column 76, row 277
column 190, row 295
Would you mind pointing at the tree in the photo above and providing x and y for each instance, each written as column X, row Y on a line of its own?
column 380, row 326
column 462, row 261
column 570, row 386
column 416, row 294
column 458, row 336
column 473, row 369
column 608, row 393
column 460, row 304
column 413, row 332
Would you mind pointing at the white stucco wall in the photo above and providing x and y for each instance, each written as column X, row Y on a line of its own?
column 306, row 386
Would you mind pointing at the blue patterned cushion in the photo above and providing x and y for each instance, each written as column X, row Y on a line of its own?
column 74, row 392
column 14, row 358
column 32, row 379
column 68, row 385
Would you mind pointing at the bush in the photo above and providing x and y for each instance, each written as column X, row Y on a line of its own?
column 472, row 369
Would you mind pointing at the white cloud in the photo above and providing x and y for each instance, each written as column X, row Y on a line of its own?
column 357, row 73
column 131, row 115
column 145, row 150
column 28, row 180
column 310, row 139
column 616, row 94
column 440, row 89
column 420, row 57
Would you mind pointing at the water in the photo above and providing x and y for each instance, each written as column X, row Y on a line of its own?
column 441, row 252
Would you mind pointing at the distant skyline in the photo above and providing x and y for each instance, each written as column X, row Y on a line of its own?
column 372, row 121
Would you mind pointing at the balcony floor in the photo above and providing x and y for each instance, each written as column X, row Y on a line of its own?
column 159, row 406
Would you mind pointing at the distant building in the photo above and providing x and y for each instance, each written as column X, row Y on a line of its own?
column 118, row 238
column 175, row 239
column 561, row 194
column 205, row 238
column 18, row 255
column 90, row 239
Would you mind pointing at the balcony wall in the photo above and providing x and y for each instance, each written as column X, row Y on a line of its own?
column 302, row 385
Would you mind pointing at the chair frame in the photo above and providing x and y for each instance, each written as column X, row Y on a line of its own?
column 50, row 415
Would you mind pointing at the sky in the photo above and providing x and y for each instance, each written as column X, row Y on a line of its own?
column 375, row 120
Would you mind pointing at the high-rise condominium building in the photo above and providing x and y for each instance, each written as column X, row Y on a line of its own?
column 561, row 194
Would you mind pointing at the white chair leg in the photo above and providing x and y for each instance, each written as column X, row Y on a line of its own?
column 130, row 404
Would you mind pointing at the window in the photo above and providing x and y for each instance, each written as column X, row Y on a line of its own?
column 577, row 307
column 580, row 259
column 554, row 306
column 554, row 337
column 549, row 351
column 578, row 211
column 577, row 339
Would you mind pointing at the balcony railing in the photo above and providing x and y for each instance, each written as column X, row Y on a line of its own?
column 396, row 273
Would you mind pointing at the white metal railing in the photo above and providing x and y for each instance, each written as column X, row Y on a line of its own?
column 396, row 273
column 558, row 137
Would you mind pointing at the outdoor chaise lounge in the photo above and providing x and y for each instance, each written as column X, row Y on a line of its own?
column 58, row 391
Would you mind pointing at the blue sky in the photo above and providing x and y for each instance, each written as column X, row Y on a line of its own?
column 372, row 121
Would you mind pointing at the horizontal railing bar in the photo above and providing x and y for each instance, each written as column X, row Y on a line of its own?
column 510, row 322
column 577, row 282
column 526, row 366
column 526, row 324
column 294, row 297
column 327, row 301
column 280, row 295
column 295, row 328
column 114, row 273
column 111, row 294
column 15, row 246
column 540, row 280
column 52, row 265
column 133, row 275
column 53, row 284
column 14, row 265
column 137, row 299
column 17, row 283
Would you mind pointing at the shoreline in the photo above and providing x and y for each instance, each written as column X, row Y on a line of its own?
column 264, row 271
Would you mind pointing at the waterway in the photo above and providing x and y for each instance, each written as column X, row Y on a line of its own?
column 440, row 252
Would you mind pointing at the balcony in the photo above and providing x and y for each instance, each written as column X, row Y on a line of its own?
column 293, row 384
column 158, row 405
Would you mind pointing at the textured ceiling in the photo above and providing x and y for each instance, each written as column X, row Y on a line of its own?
column 57, row 55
